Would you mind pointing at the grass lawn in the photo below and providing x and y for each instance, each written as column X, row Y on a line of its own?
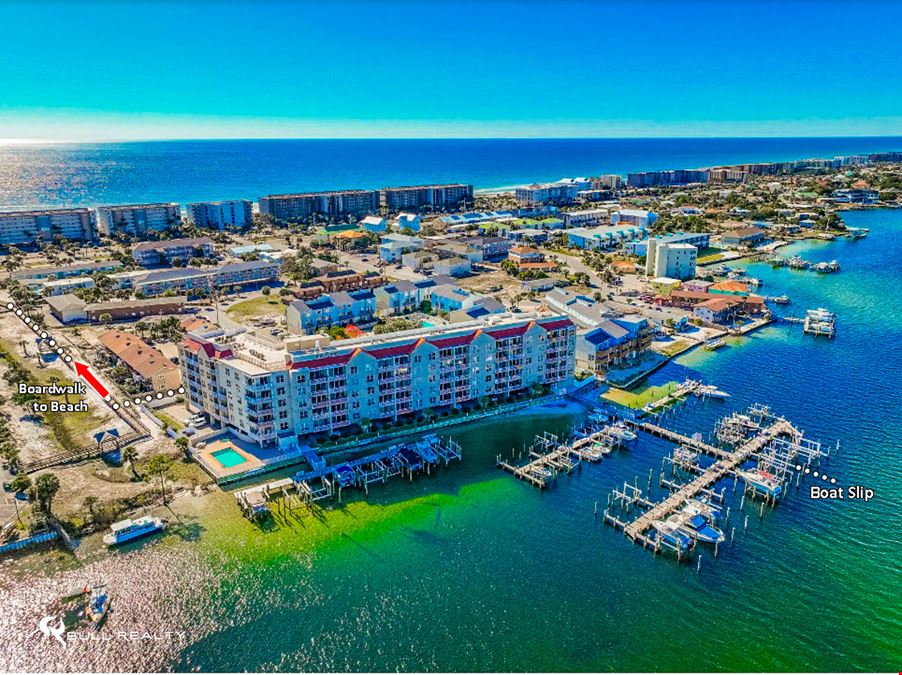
column 71, row 428
column 257, row 308
column 714, row 257
column 675, row 347
column 169, row 421
column 637, row 399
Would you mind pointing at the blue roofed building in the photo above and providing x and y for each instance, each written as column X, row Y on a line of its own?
column 612, row 343
column 305, row 317
column 604, row 238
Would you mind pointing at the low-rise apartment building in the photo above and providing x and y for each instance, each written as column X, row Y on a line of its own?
column 155, row 252
column 42, row 226
column 271, row 398
column 232, row 214
column 604, row 238
column 305, row 317
column 147, row 364
column 137, row 219
column 648, row 248
column 188, row 279
column 674, row 261
column 613, row 342
column 32, row 275
column 401, row 297
column 393, row 246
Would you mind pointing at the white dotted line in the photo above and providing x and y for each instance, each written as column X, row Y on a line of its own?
column 816, row 474
column 68, row 359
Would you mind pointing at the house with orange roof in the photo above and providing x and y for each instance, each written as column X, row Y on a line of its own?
column 147, row 365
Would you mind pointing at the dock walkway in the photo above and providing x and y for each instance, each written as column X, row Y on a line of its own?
column 728, row 461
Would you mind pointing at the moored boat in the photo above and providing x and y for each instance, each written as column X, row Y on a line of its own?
column 672, row 534
column 763, row 482
column 701, row 529
column 714, row 343
column 98, row 605
column 128, row 530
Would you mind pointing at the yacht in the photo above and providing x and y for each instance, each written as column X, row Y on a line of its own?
column 701, row 506
column 711, row 391
column 127, row 530
column 762, row 481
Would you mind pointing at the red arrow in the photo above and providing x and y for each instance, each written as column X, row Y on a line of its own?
column 85, row 372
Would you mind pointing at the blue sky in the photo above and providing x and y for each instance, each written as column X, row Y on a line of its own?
column 100, row 71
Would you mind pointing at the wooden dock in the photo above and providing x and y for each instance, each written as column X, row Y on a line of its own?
column 727, row 462
column 676, row 437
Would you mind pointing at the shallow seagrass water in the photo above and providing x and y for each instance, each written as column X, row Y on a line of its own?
column 472, row 570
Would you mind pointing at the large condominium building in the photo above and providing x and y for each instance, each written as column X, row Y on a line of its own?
column 220, row 215
column 673, row 177
column 271, row 397
column 727, row 175
column 433, row 197
column 155, row 252
column 564, row 191
column 137, row 219
column 330, row 204
column 42, row 226
column 647, row 247
column 673, row 261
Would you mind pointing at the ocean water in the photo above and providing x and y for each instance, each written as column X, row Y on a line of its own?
column 470, row 569
column 183, row 171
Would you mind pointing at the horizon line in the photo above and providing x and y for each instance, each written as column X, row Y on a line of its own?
column 44, row 141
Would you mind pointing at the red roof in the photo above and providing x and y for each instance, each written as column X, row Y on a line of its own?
column 556, row 325
column 209, row 348
column 397, row 350
column 325, row 361
column 502, row 333
column 444, row 343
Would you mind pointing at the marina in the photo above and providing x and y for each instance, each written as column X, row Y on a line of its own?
column 548, row 457
column 820, row 322
column 778, row 449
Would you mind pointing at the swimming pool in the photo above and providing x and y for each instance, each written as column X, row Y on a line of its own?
column 228, row 457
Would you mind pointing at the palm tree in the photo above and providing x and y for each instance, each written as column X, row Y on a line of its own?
column 44, row 490
column 161, row 466
column 130, row 455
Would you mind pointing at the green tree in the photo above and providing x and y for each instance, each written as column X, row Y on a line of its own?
column 266, row 290
column 130, row 454
column 160, row 466
column 44, row 490
column 182, row 444
column 89, row 504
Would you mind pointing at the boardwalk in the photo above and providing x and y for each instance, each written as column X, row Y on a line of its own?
column 728, row 462
column 682, row 439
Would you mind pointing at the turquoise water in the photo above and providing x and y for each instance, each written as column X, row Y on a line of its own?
column 470, row 569
column 228, row 457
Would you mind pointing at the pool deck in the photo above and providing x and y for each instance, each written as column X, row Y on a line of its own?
column 218, row 471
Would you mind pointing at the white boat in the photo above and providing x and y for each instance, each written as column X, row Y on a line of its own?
column 698, row 526
column 714, row 343
column 597, row 416
column 711, row 391
column 701, row 506
column 762, row 482
column 127, row 530
column 673, row 534
column 620, row 432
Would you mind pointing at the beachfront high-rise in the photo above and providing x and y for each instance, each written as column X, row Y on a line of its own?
column 434, row 197
column 235, row 213
column 43, row 225
column 336, row 204
column 270, row 396
column 137, row 219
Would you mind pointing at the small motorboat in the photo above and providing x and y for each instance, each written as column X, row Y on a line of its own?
column 703, row 507
column 671, row 534
column 701, row 529
column 98, row 605
column 714, row 343
column 763, row 482
column 620, row 432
